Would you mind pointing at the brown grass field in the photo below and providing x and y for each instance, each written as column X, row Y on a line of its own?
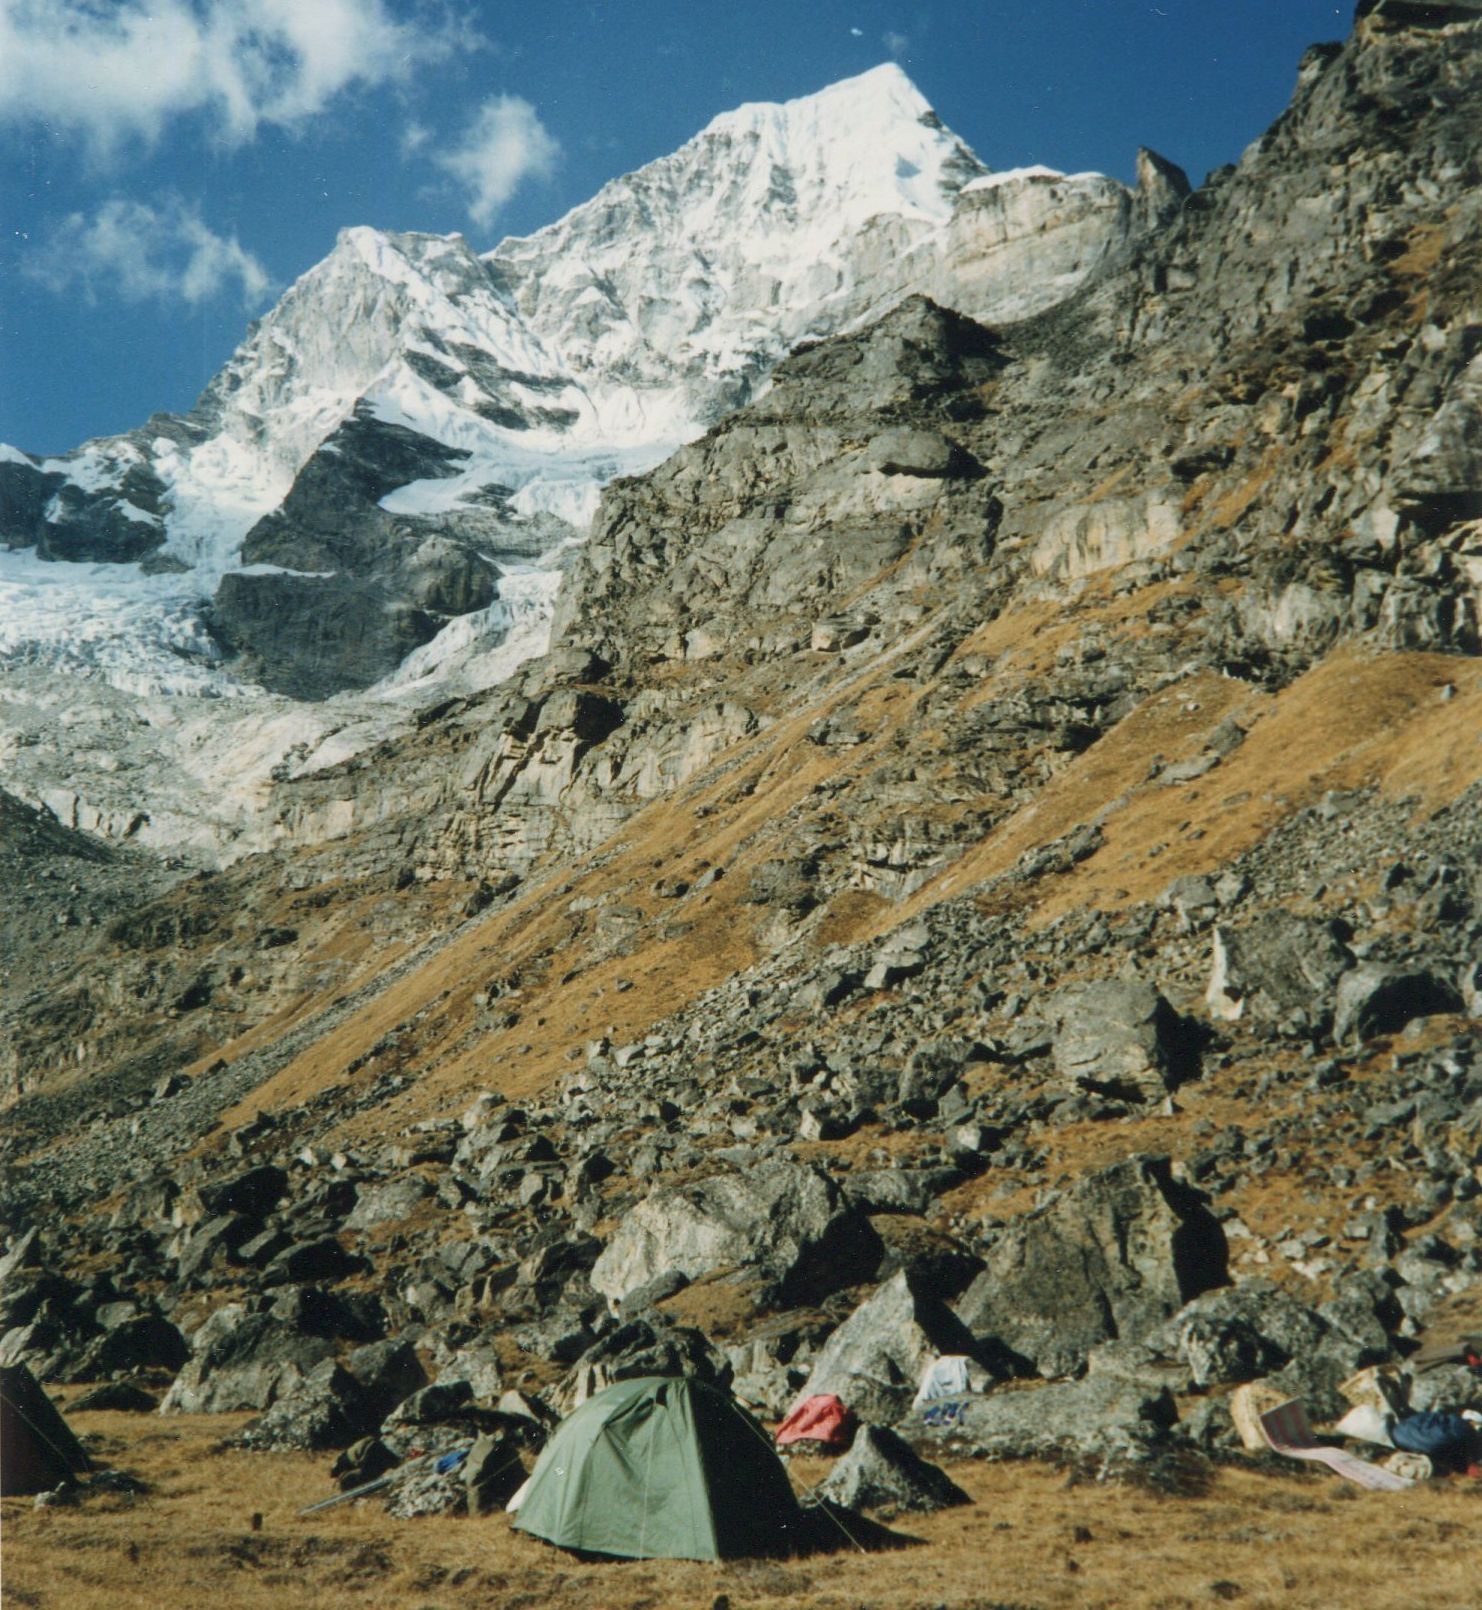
column 1034, row 1536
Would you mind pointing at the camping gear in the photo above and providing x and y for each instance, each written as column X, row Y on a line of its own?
column 823, row 1419
column 1438, row 1435
column 945, row 1377
column 661, row 1467
column 1367, row 1424
column 1412, row 1466
column 1465, row 1350
column 1288, row 1432
column 37, row 1448
column 1377, row 1387
column 1247, row 1404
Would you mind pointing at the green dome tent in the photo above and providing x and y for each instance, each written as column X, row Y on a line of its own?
column 661, row 1467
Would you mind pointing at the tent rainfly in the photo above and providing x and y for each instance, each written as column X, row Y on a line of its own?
column 661, row 1467
column 37, row 1448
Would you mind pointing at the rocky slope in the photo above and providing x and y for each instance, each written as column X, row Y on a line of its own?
column 988, row 863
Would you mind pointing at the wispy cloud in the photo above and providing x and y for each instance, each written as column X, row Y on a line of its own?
column 896, row 43
column 140, row 253
column 120, row 71
column 504, row 145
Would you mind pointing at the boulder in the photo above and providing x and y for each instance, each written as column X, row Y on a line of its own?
column 874, row 1361
column 146, row 1342
column 389, row 1372
column 1374, row 999
column 387, row 1202
column 883, row 1471
column 1096, row 1418
column 1120, row 1036
column 252, row 1194
column 905, row 450
column 642, row 1347
column 121, row 1396
column 1280, row 969
column 1241, row 1333
column 243, row 1361
column 329, row 1408
column 784, row 1219
column 1112, row 1258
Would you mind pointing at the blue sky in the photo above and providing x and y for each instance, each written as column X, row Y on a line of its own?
column 170, row 166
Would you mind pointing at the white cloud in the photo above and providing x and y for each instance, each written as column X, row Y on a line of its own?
column 505, row 144
column 113, row 71
column 896, row 43
column 139, row 253
column 413, row 137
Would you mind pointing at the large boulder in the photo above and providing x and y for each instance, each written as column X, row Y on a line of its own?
column 883, row 1471
column 1097, row 1417
column 874, row 1361
column 1374, row 999
column 1241, row 1333
column 1280, row 969
column 243, row 1361
column 1112, row 1258
column 1118, row 1035
column 329, row 1408
column 786, row 1220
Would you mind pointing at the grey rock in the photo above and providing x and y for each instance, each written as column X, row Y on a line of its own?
column 387, row 1202
column 1241, row 1333
column 329, row 1408
column 784, row 1219
column 1279, row 968
column 242, row 1361
column 389, row 1371
column 874, row 1361
column 1095, row 1418
column 882, row 1471
column 1117, row 1035
column 1112, row 1258
column 1374, row 999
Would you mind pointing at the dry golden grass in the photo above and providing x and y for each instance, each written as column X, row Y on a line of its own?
column 1032, row 1537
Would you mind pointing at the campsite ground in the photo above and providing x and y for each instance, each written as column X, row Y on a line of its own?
column 1034, row 1537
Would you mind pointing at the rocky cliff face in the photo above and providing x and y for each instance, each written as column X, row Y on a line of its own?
column 1000, row 807
column 449, row 419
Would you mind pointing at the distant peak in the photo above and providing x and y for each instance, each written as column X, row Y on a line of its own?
column 882, row 92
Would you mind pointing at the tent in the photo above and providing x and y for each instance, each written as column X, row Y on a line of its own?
column 37, row 1448
column 661, row 1467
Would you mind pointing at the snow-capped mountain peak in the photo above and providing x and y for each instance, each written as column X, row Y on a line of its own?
column 416, row 429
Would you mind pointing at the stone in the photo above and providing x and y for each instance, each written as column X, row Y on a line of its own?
column 874, row 1361
column 389, row 1371
column 882, row 1471
column 443, row 1401
column 1120, row 1036
column 1241, row 1333
column 120, row 1396
column 784, row 1219
column 907, row 450
column 329, row 1408
column 1278, row 969
column 1112, row 1258
column 252, row 1194
column 1096, row 1418
column 388, row 1202
column 1374, row 999
column 320, row 1259
column 242, row 1361
column 146, row 1342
